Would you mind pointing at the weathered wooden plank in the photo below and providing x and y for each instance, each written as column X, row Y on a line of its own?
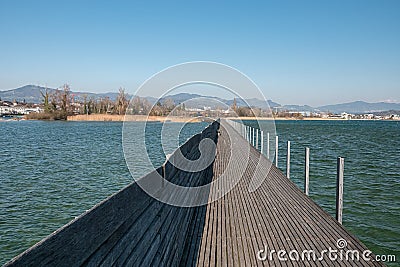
column 250, row 227
column 289, row 219
column 130, row 240
column 193, row 239
column 173, row 246
column 72, row 244
column 223, row 233
column 104, row 249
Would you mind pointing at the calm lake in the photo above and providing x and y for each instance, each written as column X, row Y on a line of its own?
column 51, row 172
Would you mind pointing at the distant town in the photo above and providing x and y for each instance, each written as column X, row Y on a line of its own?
column 11, row 109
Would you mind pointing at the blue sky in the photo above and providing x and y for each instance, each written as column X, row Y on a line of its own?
column 298, row 52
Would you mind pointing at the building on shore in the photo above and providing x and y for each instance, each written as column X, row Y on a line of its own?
column 16, row 108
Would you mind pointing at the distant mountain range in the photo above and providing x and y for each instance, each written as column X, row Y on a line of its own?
column 361, row 107
column 200, row 101
column 31, row 94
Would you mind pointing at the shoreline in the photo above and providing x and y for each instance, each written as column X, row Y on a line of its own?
column 303, row 119
column 138, row 118
column 185, row 119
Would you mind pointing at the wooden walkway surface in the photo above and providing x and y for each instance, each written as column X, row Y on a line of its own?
column 277, row 216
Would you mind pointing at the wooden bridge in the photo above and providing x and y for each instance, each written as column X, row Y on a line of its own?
column 242, row 228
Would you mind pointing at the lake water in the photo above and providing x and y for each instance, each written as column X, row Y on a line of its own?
column 51, row 172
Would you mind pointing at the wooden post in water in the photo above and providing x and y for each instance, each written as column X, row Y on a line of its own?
column 276, row 151
column 339, row 189
column 262, row 142
column 257, row 138
column 267, row 145
column 288, row 160
column 307, row 171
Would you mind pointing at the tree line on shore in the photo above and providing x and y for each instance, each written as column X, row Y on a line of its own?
column 61, row 103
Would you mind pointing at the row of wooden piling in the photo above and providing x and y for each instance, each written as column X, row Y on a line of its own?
column 254, row 135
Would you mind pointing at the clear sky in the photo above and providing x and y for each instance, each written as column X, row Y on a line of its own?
column 298, row 52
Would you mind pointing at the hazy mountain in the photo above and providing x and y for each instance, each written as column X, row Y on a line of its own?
column 213, row 102
column 181, row 97
column 254, row 102
column 360, row 107
column 31, row 94
column 195, row 100
column 151, row 99
column 306, row 108
column 387, row 113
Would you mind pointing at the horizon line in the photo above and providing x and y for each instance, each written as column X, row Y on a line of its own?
column 386, row 101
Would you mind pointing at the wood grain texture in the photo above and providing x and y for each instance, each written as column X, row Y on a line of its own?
column 278, row 216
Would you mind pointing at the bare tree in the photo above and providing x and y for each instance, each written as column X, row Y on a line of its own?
column 85, row 105
column 146, row 106
column 65, row 100
column 46, row 99
column 169, row 104
column 54, row 100
column 234, row 105
column 136, row 105
column 122, row 101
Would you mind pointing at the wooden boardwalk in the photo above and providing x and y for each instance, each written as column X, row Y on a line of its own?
column 131, row 228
